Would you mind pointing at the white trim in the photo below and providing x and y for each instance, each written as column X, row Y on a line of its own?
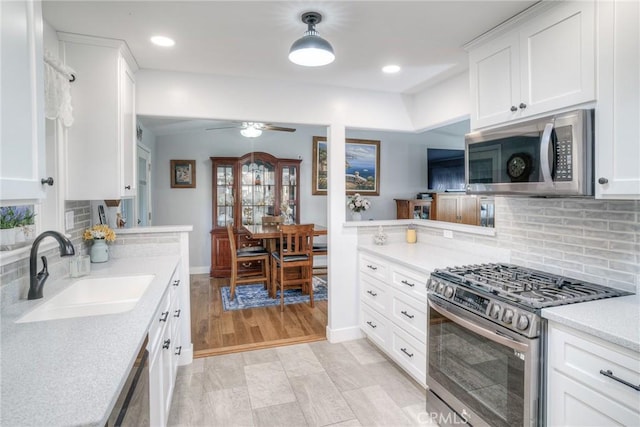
column 199, row 270
column 344, row 334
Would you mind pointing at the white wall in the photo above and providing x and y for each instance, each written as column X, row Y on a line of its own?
column 444, row 103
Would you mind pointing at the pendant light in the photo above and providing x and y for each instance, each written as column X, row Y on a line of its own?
column 311, row 50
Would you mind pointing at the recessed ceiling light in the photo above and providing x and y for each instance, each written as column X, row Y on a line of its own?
column 390, row 69
column 162, row 41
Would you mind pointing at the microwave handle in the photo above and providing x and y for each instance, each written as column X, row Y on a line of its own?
column 545, row 141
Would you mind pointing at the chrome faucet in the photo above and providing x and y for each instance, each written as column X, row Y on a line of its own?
column 38, row 279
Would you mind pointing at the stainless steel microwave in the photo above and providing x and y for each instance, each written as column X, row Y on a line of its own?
column 549, row 156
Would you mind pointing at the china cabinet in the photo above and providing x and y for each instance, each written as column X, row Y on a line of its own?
column 461, row 209
column 546, row 63
column 22, row 152
column 101, row 146
column 414, row 208
column 244, row 190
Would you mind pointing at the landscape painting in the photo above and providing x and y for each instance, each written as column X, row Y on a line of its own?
column 362, row 166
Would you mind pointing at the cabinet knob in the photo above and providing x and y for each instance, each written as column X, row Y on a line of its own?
column 176, row 283
column 513, row 108
column 522, row 106
column 127, row 187
column 48, row 181
column 603, row 180
column 166, row 344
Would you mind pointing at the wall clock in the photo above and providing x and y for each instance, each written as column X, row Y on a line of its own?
column 519, row 167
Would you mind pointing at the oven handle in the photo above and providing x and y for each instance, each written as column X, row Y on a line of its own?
column 491, row 335
column 545, row 168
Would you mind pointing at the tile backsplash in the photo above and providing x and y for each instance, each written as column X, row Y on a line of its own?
column 592, row 240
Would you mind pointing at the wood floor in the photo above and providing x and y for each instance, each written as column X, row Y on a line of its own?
column 214, row 331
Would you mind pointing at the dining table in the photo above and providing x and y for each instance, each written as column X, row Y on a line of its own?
column 269, row 234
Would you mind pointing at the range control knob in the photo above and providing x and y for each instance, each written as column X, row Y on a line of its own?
column 523, row 322
column 495, row 311
column 448, row 292
column 440, row 289
column 507, row 316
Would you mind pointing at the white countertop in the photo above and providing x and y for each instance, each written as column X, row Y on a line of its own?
column 616, row 320
column 428, row 255
column 70, row 371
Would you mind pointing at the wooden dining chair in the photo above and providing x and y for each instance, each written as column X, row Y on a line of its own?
column 240, row 258
column 292, row 263
column 320, row 249
column 271, row 220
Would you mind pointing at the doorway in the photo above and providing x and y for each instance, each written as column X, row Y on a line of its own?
column 143, row 206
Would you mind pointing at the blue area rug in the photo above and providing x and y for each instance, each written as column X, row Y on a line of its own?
column 252, row 296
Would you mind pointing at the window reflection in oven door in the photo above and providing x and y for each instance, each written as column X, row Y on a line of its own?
column 487, row 374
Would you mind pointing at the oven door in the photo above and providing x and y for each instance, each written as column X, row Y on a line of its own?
column 487, row 374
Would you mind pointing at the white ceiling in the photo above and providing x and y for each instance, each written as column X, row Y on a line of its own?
column 252, row 38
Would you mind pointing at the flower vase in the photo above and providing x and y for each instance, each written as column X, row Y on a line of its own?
column 356, row 216
column 99, row 251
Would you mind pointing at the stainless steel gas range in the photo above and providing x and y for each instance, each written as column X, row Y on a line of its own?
column 485, row 360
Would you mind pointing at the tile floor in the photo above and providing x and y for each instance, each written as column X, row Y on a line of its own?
column 315, row 384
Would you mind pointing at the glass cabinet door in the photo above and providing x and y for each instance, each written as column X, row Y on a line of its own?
column 289, row 194
column 224, row 201
column 257, row 188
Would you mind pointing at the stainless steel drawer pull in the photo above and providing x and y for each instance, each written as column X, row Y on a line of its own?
column 408, row 283
column 609, row 374
column 177, row 313
column 373, row 294
column 410, row 316
column 166, row 344
column 404, row 350
column 371, row 324
column 374, row 268
column 164, row 316
column 178, row 351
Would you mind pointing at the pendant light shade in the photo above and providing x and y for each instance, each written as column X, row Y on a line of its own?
column 311, row 50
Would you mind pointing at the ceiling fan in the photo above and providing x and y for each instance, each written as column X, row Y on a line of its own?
column 254, row 129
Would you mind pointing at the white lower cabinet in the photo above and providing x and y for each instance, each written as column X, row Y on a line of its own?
column 393, row 312
column 579, row 392
column 164, row 349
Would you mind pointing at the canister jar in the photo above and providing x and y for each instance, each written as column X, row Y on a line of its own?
column 412, row 236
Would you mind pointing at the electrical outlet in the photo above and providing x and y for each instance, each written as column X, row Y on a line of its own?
column 448, row 234
column 69, row 220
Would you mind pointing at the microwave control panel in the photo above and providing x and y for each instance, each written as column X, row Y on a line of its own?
column 564, row 154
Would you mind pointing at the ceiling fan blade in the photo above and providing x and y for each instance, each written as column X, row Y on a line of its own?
column 282, row 129
column 226, row 127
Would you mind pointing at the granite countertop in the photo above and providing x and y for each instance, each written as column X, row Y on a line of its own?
column 71, row 371
column 616, row 320
column 428, row 255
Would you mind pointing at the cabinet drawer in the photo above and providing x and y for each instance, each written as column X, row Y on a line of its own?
column 374, row 325
column 244, row 241
column 582, row 357
column 410, row 282
column 409, row 353
column 161, row 319
column 409, row 314
column 374, row 293
column 373, row 266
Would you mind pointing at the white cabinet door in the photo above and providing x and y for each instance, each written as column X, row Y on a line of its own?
column 101, row 143
column 617, row 157
column 22, row 152
column 546, row 63
column 557, row 59
column 494, row 72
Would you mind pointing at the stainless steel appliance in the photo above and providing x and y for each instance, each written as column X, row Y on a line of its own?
column 550, row 156
column 486, row 338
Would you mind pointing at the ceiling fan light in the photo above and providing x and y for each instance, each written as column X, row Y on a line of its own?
column 250, row 132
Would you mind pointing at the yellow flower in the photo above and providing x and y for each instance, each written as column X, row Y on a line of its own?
column 100, row 231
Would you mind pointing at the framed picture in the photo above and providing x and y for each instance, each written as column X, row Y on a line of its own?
column 362, row 166
column 183, row 174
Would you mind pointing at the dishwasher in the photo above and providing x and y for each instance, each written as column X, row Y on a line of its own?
column 132, row 406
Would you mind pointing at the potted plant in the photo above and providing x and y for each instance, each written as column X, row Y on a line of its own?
column 7, row 225
column 28, row 224
column 100, row 235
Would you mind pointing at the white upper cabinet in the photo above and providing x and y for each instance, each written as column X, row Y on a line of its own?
column 22, row 148
column 101, row 149
column 617, row 157
column 545, row 64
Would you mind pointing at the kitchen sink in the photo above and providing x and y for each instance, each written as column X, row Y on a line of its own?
column 92, row 297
